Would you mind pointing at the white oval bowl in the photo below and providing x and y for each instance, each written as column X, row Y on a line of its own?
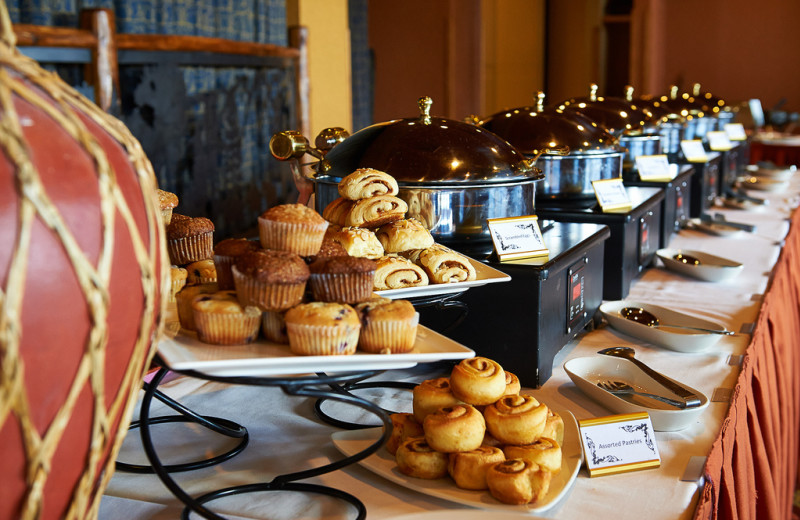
column 712, row 268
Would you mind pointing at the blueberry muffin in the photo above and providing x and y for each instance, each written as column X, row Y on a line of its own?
column 322, row 329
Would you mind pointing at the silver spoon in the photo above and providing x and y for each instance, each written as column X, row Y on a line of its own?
column 628, row 353
column 645, row 317
column 620, row 388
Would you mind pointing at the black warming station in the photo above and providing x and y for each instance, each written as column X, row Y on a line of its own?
column 634, row 240
column 523, row 324
column 733, row 162
column 677, row 196
column 705, row 183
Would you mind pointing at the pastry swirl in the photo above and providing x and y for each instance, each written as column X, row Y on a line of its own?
column 518, row 481
column 478, row 381
column 367, row 182
column 544, row 452
column 443, row 265
column 336, row 212
column 375, row 211
column 403, row 235
column 468, row 468
column 394, row 272
column 513, row 385
column 554, row 427
column 454, row 428
column 516, row 419
column 430, row 395
column 416, row 458
column 404, row 427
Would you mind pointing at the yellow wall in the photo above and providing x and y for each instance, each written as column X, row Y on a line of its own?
column 330, row 101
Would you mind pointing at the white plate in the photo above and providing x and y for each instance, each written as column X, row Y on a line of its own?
column 463, row 514
column 715, row 228
column 383, row 463
column 763, row 184
column 680, row 340
column 484, row 275
column 711, row 269
column 776, row 173
column 181, row 350
column 586, row 372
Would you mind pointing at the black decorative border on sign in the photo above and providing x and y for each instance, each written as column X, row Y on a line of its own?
column 641, row 427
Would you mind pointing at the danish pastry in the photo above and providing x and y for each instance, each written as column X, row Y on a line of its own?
column 367, row 182
column 478, row 381
column 394, row 272
column 430, row 395
column 336, row 212
column 359, row 242
column 468, row 468
column 516, row 419
column 416, row 458
column 375, row 211
column 443, row 265
column 403, row 235
column 518, row 481
column 544, row 452
column 454, row 428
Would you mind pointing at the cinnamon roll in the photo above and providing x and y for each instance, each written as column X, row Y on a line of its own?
column 394, row 272
column 376, row 211
column 336, row 212
column 516, row 419
column 468, row 468
column 454, row 428
column 416, row 458
column 443, row 265
column 518, row 481
column 430, row 395
column 478, row 381
column 403, row 235
column 367, row 182
column 404, row 427
column 544, row 452
column 512, row 384
column 554, row 427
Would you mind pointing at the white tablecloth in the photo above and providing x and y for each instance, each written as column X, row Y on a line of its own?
column 286, row 436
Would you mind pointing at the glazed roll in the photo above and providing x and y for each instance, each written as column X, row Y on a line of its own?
column 443, row 265
column 478, row 381
column 367, row 182
column 518, row 481
column 554, row 427
column 468, row 468
column 404, row 427
column 336, row 212
column 416, row 458
column 376, row 211
column 394, row 272
column 544, row 452
column 430, row 395
column 403, row 235
column 516, row 419
column 454, row 428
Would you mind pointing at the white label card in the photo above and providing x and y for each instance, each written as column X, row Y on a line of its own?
column 736, row 132
column 693, row 150
column 517, row 237
column 619, row 443
column 611, row 195
column 654, row 168
column 718, row 141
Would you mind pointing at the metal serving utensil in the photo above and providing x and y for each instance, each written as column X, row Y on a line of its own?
column 620, row 388
column 645, row 317
column 628, row 353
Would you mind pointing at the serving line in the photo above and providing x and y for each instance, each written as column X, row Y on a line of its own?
column 286, row 436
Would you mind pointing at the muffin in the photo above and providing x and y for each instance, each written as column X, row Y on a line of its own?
column 292, row 227
column 271, row 280
column 166, row 203
column 329, row 248
column 322, row 329
column 225, row 253
column 190, row 239
column 177, row 278
column 184, row 299
column 387, row 326
column 202, row 271
column 273, row 325
column 343, row 279
column 221, row 320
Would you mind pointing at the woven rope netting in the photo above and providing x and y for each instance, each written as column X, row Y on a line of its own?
column 110, row 414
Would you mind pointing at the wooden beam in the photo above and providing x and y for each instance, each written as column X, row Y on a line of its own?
column 103, row 72
column 160, row 42
column 298, row 40
column 45, row 36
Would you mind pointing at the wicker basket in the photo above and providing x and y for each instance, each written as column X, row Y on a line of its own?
column 82, row 271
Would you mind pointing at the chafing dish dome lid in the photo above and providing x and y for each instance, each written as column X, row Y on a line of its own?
column 534, row 130
column 430, row 150
column 617, row 115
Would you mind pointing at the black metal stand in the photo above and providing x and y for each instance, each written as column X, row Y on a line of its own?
column 311, row 386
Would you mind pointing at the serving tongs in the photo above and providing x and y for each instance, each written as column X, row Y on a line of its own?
column 738, row 194
column 719, row 218
column 690, row 398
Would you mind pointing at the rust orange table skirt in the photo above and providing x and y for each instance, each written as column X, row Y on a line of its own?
column 780, row 154
column 752, row 469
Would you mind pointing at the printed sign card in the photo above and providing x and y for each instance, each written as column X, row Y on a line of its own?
column 517, row 237
column 612, row 195
column 619, row 443
column 694, row 151
column 718, row 141
column 655, row 168
column 736, row 132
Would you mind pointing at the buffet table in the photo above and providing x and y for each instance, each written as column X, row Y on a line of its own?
column 286, row 436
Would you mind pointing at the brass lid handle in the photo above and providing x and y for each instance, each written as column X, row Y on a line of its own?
column 593, row 92
column 425, row 103
column 540, row 101
column 287, row 145
column 629, row 92
column 330, row 137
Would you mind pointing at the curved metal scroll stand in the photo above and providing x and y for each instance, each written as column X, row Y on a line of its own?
column 299, row 386
column 436, row 303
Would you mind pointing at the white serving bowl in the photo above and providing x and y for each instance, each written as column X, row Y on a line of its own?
column 776, row 173
column 586, row 372
column 711, row 269
column 763, row 184
column 680, row 340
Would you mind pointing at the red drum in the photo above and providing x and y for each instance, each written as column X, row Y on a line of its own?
column 82, row 273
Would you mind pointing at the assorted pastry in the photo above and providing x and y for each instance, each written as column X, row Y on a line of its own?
column 475, row 428
column 369, row 220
